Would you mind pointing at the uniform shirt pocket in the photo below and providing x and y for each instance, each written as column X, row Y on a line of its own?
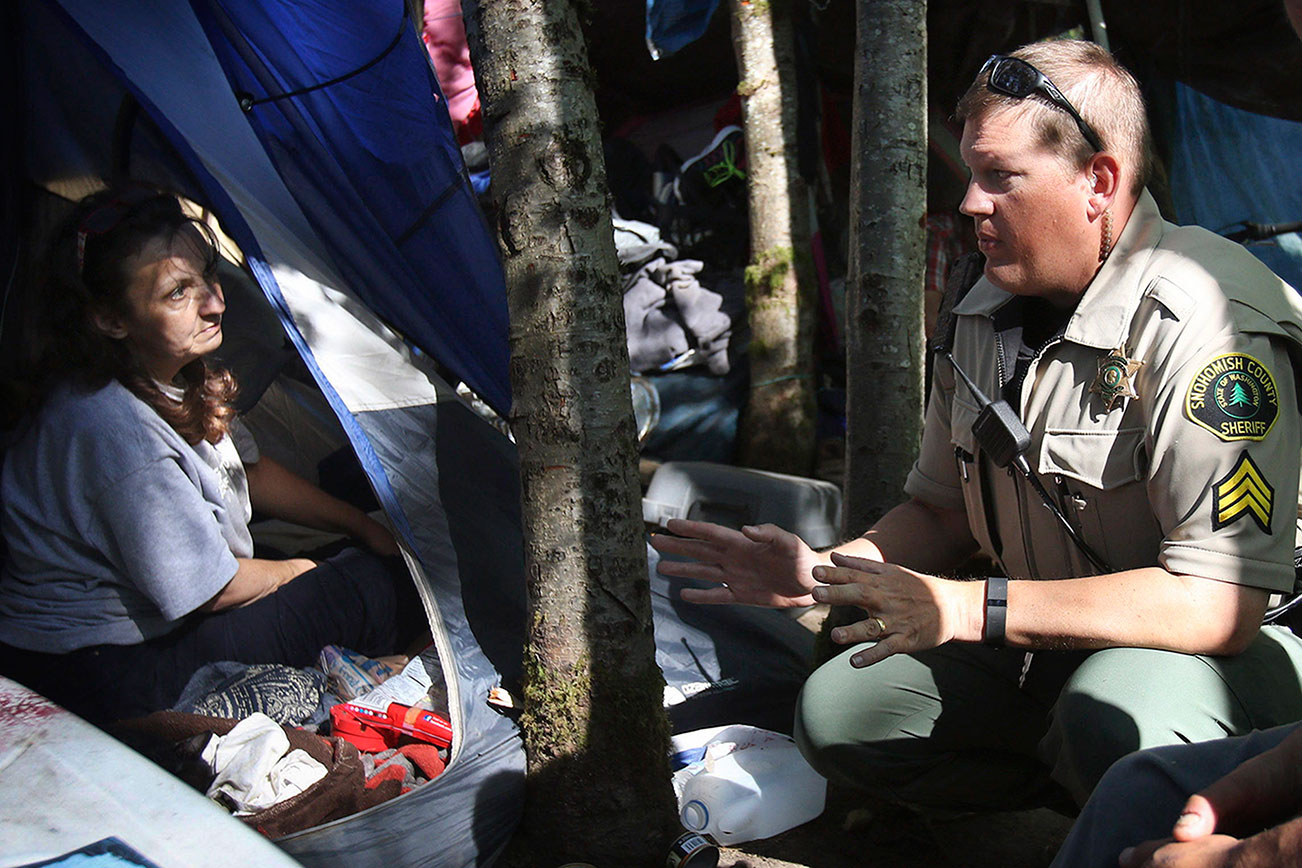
column 1099, row 459
column 962, row 417
column 1100, row 480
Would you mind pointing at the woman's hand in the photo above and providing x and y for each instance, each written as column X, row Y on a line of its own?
column 757, row 566
column 907, row 611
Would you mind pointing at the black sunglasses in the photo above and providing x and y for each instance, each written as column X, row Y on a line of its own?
column 108, row 216
column 1017, row 78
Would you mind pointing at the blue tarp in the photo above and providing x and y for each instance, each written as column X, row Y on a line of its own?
column 673, row 24
column 372, row 162
column 1229, row 166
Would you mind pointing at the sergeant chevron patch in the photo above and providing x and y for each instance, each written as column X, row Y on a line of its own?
column 1243, row 491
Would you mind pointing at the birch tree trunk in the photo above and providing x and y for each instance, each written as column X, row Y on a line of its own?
column 595, row 732
column 777, row 427
column 885, row 342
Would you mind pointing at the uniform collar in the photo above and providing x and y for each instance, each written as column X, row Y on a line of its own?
column 1102, row 318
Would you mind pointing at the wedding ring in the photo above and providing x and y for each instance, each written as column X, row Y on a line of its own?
column 881, row 625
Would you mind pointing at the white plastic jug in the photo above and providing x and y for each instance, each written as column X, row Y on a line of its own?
column 748, row 783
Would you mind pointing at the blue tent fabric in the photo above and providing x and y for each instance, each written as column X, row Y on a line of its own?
column 464, row 817
column 673, row 24
column 1227, row 165
column 373, row 163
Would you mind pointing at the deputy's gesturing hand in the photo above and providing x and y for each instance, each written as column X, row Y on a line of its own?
column 758, row 566
column 907, row 611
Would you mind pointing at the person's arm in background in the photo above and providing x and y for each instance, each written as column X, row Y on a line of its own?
column 279, row 493
column 1216, row 828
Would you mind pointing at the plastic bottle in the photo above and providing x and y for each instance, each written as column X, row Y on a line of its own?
column 750, row 784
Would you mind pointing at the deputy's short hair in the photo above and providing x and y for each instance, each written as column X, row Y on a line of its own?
column 1104, row 93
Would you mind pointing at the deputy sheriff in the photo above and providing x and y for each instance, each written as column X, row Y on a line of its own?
column 1151, row 519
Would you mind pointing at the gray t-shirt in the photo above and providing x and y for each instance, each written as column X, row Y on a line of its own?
column 116, row 527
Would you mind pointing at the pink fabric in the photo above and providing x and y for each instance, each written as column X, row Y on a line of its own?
column 445, row 39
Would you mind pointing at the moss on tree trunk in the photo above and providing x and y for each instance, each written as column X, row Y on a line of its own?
column 777, row 427
column 594, row 727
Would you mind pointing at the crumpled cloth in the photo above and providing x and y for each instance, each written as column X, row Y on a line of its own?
column 255, row 768
column 341, row 792
column 667, row 312
column 410, row 765
column 636, row 242
column 702, row 314
column 444, row 35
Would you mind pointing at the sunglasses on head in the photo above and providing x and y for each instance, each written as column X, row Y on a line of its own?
column 107, row 217
column 1014, row 77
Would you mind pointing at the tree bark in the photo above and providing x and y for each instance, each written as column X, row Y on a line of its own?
column 777, row 427
column 885, row 342
column 595, row 732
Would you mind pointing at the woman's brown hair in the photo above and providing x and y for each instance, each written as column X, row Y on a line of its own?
column 84, row 270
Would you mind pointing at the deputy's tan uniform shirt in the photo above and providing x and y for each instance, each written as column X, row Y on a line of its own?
column 1198, row 474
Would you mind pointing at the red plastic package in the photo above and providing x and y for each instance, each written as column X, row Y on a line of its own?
column 372, row 730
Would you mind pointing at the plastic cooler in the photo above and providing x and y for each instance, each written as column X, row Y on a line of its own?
column 737, row 496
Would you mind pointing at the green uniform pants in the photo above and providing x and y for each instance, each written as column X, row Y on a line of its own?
column 953, row 727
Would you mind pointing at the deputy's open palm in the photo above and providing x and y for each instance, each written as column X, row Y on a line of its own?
column 757, row 566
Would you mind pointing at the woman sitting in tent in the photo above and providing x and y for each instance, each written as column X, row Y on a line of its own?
column 129, row 485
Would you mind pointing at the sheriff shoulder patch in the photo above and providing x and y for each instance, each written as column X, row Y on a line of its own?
column 1234, row 397
column 1243, row 491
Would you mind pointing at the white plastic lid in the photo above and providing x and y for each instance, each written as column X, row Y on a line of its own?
column 695, row 815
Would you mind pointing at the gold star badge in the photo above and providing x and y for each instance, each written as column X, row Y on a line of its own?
column 1115, row 378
